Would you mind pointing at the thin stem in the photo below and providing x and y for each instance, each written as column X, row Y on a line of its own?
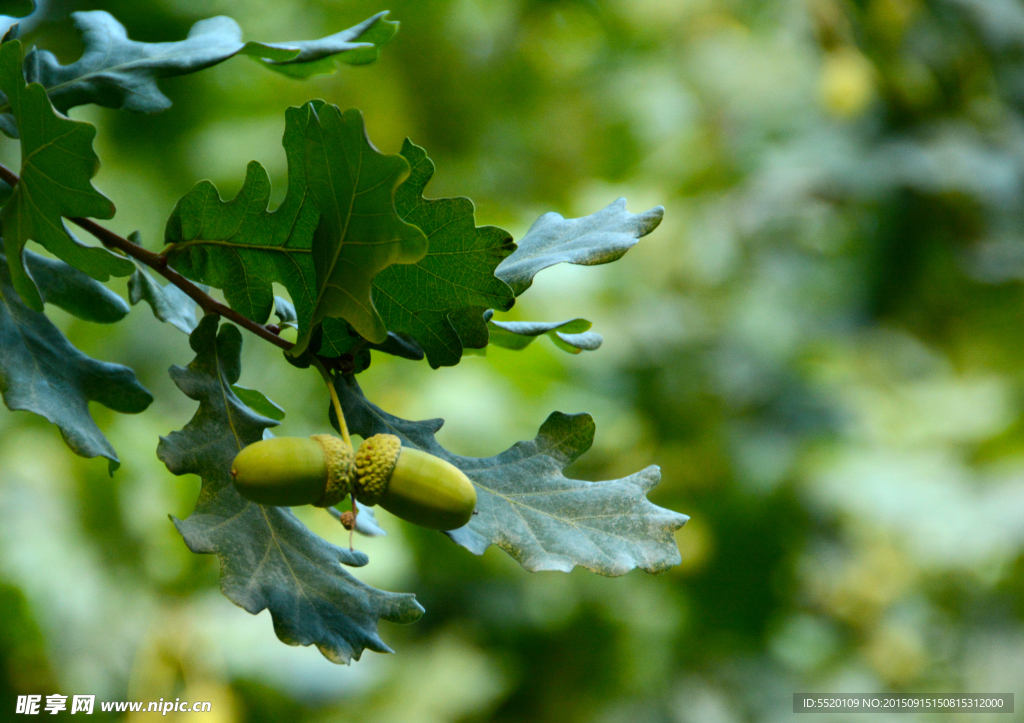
column 159, row 264
column 329, row 380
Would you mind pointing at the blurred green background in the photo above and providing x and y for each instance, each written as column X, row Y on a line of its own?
column 821, row 346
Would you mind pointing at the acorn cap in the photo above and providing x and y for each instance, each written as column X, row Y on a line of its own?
column 375, row 460
column 341, row 469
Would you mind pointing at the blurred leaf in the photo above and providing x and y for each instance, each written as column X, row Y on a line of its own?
column 17, row 8
column 286, row 315
column 268, row 558
column 116, row 72
column 359, row 234
column 366, row 522
column 571, row 336
column 259, row 402
column 527, row 507
column 358, row 45
column 77, row 293
column 57, row 165
column 423, row 299
column 595, row 239
column 41, row 372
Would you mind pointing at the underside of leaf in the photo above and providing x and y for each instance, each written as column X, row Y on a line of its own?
column 527, row 507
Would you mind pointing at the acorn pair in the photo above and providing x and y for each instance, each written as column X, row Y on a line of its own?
column 323, row 470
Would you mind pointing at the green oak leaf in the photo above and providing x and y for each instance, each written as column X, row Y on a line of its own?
column 41, row 372
column 572, row 336
column 17, row 8
column 324, row 242
column 57, row 165
column 599, row 238
column 117, row 72
column 428, row 299
column 359, row 234
column 269, row 559
column 527, row 507
column 259, row 402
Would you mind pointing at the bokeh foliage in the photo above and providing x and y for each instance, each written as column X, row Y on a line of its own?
column 820, row 346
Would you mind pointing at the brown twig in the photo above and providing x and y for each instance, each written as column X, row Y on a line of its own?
column 159, row 264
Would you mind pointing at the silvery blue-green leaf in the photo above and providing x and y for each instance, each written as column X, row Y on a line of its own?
column 366, row 522
column 595, row 239
column 117, row 72
column 439, row 300
column 269, row 559
column 77, row 293
column 571, row 336
column 169, row 303
column 529, row 508
column 57, row 165
column 286, row 315
column 358, row 45
column 17, row 8
column 259, row 402
column 41, row 372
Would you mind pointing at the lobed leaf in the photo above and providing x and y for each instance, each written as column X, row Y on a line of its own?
column 41, row 372
column 57, row 166
column 269, row 559
column 599, row 238
column 117, row 72
column 572, row 336
column 335, row 229
column 429, row 299
column 359, row 234
column 529, row 508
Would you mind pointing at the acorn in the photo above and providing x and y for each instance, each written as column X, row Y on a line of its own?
column 411, row 484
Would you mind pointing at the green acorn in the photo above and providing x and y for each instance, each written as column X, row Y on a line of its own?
column 413, row 485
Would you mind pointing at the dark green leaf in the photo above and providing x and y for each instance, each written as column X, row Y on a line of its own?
column 67, row 287
column 17, row 8
column 359, row 234
column 595, row 239
column 56, row 167
column 259, row 402
column 269, row 560
column 41, row 372
column 572, row 336
column 116, row 72
column 429, row 300
column 527, row 507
